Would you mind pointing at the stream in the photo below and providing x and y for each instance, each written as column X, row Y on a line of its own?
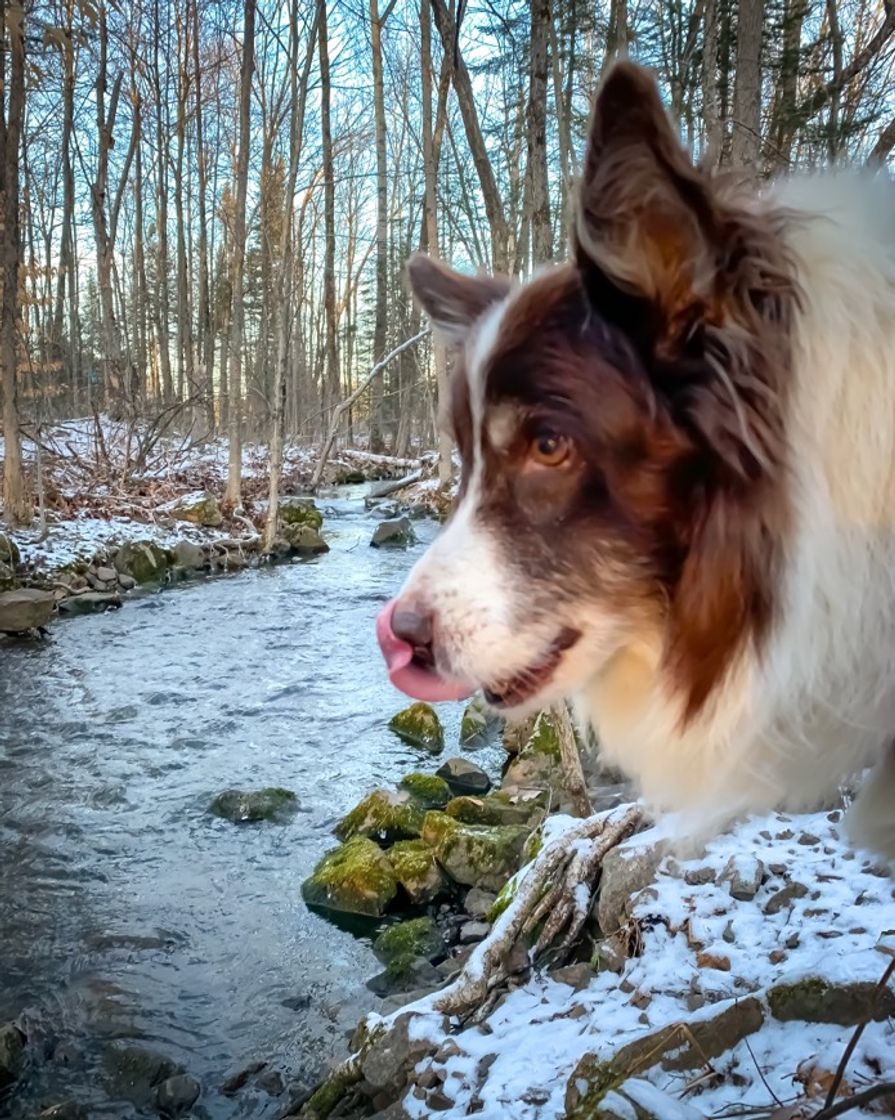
column 128, row 912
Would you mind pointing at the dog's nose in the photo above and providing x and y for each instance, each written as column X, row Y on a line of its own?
column 413, row 625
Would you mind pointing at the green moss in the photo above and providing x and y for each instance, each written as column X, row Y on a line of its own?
column 300, row 511
column 544, row 739
column 9, row 551
column 496, row 808
column 244, row 807
column 533, row 846
column 437, row 826
column 590, row 1082
column 476, row 722
column 427, row 790
column 356, row 878
column 400, row 945
column 144, row 560
column 383, row 814
column 420, row 726
column 303, row 539
column 471, row 855
column 505, row 896
column 417, row 870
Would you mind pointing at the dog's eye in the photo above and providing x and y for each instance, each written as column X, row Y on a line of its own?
column 549, row 448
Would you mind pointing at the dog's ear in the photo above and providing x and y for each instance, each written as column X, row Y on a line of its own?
column 645, row 223
column 452, row 300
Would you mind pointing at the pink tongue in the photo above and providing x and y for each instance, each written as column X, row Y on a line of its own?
column 415, row 681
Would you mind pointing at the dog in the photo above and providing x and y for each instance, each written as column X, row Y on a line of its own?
column 677, row 505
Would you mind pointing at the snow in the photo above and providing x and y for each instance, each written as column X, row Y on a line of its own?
column 841, row 928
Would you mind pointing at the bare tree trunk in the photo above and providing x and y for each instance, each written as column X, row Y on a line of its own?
column 332, row 386
column 711, row 102
column 539, row 198
column 16, row 507
column 617, row 37
column 185, row 376
column 237, row 314
column 162, row 318
column 377, row 22
column 205, row 340
column 745, row 145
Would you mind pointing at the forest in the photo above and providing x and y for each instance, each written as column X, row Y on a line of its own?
column 207, row 206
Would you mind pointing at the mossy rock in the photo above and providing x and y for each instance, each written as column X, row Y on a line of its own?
column 300, row 511
column 356, row 878
column 304, row 540
column 400, row 945
column 496, row 808
column 395, row 533
column 417, row 870
column 538, row 765
column 199, row 508
column 9, row 551
column 516, row 733
column 472, row 855
column 383, row 814
column 505, row 896
column 246, row 807
column 427, row 790
column 8, row 581
column 146, row 561
column 816, row 1000
column 477, row 723
column 420, row 726
column 12, row 1054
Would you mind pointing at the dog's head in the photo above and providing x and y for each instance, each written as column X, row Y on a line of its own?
column 620, row 423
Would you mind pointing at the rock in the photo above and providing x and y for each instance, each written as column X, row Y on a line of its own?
column 356, row 878
column 393, row 533
column 135, row 1072
column 577, row 976
column 383, row 814
column 471, row 932
column 12, row 1054
column 641, row 1100
column 420, row 726
column 243, row 807
column 478, row 720
column 478, row 903
column 190, row 556
column 816, row 1000
column 126, row 582
column 90, row 602
column 68, row 1110
column 516, row 733
column 299, row 511
column 106, row 575
column 496, row 808
column 8, row 581
column 177, row 1095
column 627, row 869
column 144, row 560
column 391, row 1058
column 304, row 540
column 785, row 897
column 538, row 765
column 427, row 790
column 611, row 954
column 744, row 874
column 350, row 478
column 25, row 609
column 199, row 508
column 474, row 856
column 9, row 551
column 699, row 876
column 417, row 870
column 399, row 945
column 464, row 777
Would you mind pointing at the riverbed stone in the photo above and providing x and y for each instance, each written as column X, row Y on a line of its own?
column 428, row 790
column 385, row 815
column 304, row 540
column 356, row 878
column 67, row 1110
column 538, row 765
column 627, row 870
column 90, row 602
column 26, row 608
column 146, row 561
column 9, row 551
column 393, row 533
column 12, row 1054
column 199, row 508
column 472, row 855
column 420, row 726
column 496, row 808
column 299, row 511
column 477, row 723
column 399, row 945
column 391, row 1058
column 417, row 870
column 135, row 1072
column 176, row 1095
column 250, row 806
column 189, row 556
column 464, row 777
column 744, row 874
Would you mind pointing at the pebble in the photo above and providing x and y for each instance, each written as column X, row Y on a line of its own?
column 786, row 896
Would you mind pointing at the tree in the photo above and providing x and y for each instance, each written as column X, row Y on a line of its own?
column 538, row 187
column 746, row 125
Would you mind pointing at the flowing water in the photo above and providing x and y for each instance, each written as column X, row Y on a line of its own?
column 126, row 910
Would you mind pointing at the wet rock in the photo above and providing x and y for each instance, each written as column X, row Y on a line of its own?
column 427, row 790
column 189, row 556
column 402, row 944
column 477, row 722
column 126, row 582
column 394, row 533
column 106, row 575
column 177, row 1095
column 299, row 511
column 816, row 1000
column 538, row 765
column 304, row 540
column 516, row 733
column 496, row 808
column 145, row 561
column 785, row 897
column 474, row 856
column 471, row 932
column 464, row 777
column 383, row 814
column 12, row 1054
column 478, row 903
column 356, row 878
column 417, row 870
column 627, row 869
column 25, row 609
column 241, row 1078
column 391, row 1058
column 245, row 807
column 419, row 725
column 199, row 508
column 9, row 551
column 90, row 602
column 744, row 875
column 68, row 1110
column 135, row 1072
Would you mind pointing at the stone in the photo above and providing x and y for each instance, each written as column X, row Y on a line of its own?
column 627, row 869
column 427, row 790
column 496, row 808
column 417, row 870
column 9, row 551
column 145, row 561
column 246, row 807
column 464, row 777
column 189, row 556
column 478, row 903
column 816, row 1000
column 126, row 582
column 299, row 511
column 67, row 1110
column 8, row 581
column 577, row 976
column 399, row 945
column 538, row 765
column 785, row 897
column 12, row 1054
column 106, row 575
column 356, row 878
column 304, row 540
column 390, row 1059
column 471, row 932
column 393, row 533
column 199, row 508
column 477, row 722
column 474, row 856
column 699, row 876
column 744, row 875
column 177, row 1095
column 611, row 954
column 136, row 1071
column 26, row 608
column 516, row 733
column 385, row 815
column 90, row 602
column 419, row 726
